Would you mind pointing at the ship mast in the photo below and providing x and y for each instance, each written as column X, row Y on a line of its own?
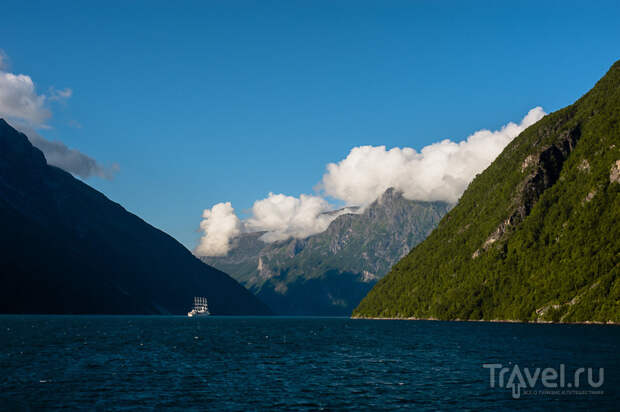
column 201, row 307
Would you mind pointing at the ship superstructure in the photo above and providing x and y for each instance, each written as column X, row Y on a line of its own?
column 201, row 307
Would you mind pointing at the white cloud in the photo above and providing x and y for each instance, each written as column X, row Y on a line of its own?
column 440, row 171
column 58, row 95
column 284, row 216
column 19, row 100
column 220, row 225
column 280, row 216
column 27, row 111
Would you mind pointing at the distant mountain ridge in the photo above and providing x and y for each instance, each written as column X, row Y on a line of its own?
column 535, row 237
column 330, row 272
column 66, row 248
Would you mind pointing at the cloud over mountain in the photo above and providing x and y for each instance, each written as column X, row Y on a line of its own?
column 287, row 216
column 27, row 111
column 220, row 224
column 73, row 161
column 440, row 171
column 19, row 100
column 280, row 216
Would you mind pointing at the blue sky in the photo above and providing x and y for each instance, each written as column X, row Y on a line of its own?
column 206, row 102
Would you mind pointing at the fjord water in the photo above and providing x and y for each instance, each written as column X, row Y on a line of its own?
column 123, row 362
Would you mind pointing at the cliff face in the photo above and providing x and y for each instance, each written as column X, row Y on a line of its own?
column 534, row 237
column 66, row 248
column 542, row 170
column 330, row 272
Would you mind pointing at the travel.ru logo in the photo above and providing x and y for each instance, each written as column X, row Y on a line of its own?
column 554, row 381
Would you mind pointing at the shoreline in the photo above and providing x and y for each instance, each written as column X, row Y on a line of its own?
column 589, row 322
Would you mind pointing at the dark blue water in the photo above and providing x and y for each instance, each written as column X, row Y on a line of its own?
column 292, row 363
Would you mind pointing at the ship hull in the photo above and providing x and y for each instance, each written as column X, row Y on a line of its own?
column 193, row 314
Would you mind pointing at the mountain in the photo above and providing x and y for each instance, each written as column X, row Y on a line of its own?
column 535, row 237
column 66, row 248
column 330, row 272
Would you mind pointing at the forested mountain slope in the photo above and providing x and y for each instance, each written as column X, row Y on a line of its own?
column 535, row 237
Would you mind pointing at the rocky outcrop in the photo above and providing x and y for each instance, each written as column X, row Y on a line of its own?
column 614, row 173
column 544, row 171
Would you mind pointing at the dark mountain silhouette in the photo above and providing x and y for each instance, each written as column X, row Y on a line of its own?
column 66, row 248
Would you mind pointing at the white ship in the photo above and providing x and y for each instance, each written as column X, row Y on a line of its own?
column 201, row 308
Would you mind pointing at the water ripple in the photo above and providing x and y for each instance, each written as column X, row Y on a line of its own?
column 287, row 363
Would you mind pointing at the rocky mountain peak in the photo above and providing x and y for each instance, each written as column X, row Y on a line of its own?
column 339, row 264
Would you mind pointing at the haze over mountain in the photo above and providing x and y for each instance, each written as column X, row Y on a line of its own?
column 66, row 248
column 330, row 272
column 535, row 237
